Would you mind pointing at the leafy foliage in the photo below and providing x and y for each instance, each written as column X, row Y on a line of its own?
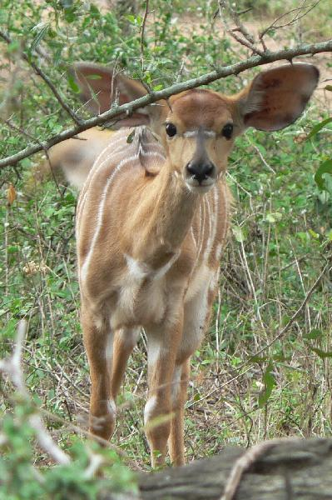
column 281, row 240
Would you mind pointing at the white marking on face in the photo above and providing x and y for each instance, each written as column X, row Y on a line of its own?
column 149, row 408
column 194, row 133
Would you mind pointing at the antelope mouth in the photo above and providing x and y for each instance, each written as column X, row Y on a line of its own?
column 200, row 187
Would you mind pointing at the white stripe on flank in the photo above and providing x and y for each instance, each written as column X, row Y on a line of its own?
column 95, row 169
column 206, row 252
column 202, row 228
column 226, row 211
column 100, row 215
column 193, row 237
column 214, row 222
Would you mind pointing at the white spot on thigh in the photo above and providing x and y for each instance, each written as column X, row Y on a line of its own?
column 137, row 270
column 149, row 408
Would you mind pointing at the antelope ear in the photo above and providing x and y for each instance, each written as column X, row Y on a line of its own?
column 277, row 97
column 100, row 87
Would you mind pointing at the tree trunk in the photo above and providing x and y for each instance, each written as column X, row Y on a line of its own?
column 281, row 470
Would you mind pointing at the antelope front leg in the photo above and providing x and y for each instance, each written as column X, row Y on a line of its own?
column 179, row 397
column 162, row 351
column 98, row 341
column 124, row 342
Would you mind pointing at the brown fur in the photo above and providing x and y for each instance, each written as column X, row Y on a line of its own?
column 149, row 245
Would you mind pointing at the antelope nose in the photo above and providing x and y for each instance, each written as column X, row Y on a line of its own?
column 200, row 171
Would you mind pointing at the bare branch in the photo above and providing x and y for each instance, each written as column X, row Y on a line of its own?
column 128, row 108
column 12, row 367
column 247, row 39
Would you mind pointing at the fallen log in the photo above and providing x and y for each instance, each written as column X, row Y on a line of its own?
column 285, row 469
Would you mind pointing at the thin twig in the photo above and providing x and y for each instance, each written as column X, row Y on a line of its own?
column 296, row 18
column 247, row 39
column 294, row 317
column 146, row 13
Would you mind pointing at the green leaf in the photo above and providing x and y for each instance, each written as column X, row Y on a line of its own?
column 93, row 77
column 321, row 354
column 130, row 137
column 318, row 127
column 273, row 217
column 41, row 30
column 324, row 168
column 73, row 85
column 269, row 382
column 239, row 234
column 313, row 334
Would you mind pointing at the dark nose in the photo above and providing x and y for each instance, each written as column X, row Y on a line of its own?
column 200, row 171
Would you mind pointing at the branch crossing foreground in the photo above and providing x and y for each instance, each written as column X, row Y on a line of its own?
column 235, row 69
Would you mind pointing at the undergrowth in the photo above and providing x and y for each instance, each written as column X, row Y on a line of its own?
column 249, row 383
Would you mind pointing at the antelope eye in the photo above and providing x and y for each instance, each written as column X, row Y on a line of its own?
column 227, row 130
column 170, row 129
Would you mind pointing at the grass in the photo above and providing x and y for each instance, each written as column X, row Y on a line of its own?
column 280, row 242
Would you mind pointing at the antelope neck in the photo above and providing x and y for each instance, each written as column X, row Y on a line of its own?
column 167, row 217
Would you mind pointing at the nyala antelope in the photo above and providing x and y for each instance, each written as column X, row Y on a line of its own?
column 152, row 220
